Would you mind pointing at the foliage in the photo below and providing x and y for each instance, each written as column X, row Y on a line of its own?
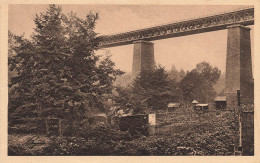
column 26, row 126
column 123, row 80
column 151, row 90
column 103, row 140
column 198, row 83
column 58, row 73
column 176, row 75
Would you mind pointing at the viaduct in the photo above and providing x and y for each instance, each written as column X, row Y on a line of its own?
column 238, row 60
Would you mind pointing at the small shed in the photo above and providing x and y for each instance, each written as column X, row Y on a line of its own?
column 202, row 106
column 220, row 102
column 173, row 105
column 100, row 118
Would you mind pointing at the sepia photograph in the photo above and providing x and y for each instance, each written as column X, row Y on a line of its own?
column 131, row 80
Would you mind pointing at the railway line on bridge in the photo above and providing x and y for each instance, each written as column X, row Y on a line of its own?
column 209, row 23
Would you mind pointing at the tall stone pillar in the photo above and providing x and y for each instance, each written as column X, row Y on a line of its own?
column 238, row 66
column 239, row 77
column 143, row 57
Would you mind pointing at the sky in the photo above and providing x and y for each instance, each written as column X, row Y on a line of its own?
column 182, row 52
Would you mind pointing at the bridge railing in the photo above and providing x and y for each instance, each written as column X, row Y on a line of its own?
column 181, row 28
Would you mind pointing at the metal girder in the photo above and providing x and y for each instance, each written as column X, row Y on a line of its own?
column 182, row 28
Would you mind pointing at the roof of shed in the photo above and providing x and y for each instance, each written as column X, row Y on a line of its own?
column 173, row 104
column 221, row 98
column 202, row 104
column 194, row 102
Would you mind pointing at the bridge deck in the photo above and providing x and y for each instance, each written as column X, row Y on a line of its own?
column 182, row 28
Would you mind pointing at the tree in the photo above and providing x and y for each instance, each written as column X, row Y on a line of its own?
column 58, row 72
column 181, row 74
column 198, row 83
column 150, row 91
column 174, row 74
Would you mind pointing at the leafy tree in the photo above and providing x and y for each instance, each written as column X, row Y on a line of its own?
column 173, row 73
column 151, row 90
column 198, row 83
column 181, row 73
column 176, row 75
column 58, row 73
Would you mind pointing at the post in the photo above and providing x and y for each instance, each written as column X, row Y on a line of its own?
column 238, row 99
column 247, row 136
column 60, row 127
column 152, row 123
column 239, row 135
column 47, row 126
column 143, row 57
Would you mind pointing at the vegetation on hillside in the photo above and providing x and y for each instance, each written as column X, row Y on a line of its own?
column 198, row 83
column 150, row 91
column 214, row 137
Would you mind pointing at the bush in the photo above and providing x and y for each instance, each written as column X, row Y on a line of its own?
column 27, row 126
column 105, row 140
column 106, row 133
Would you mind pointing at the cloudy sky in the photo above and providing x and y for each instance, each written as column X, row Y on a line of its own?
column 183, row 52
